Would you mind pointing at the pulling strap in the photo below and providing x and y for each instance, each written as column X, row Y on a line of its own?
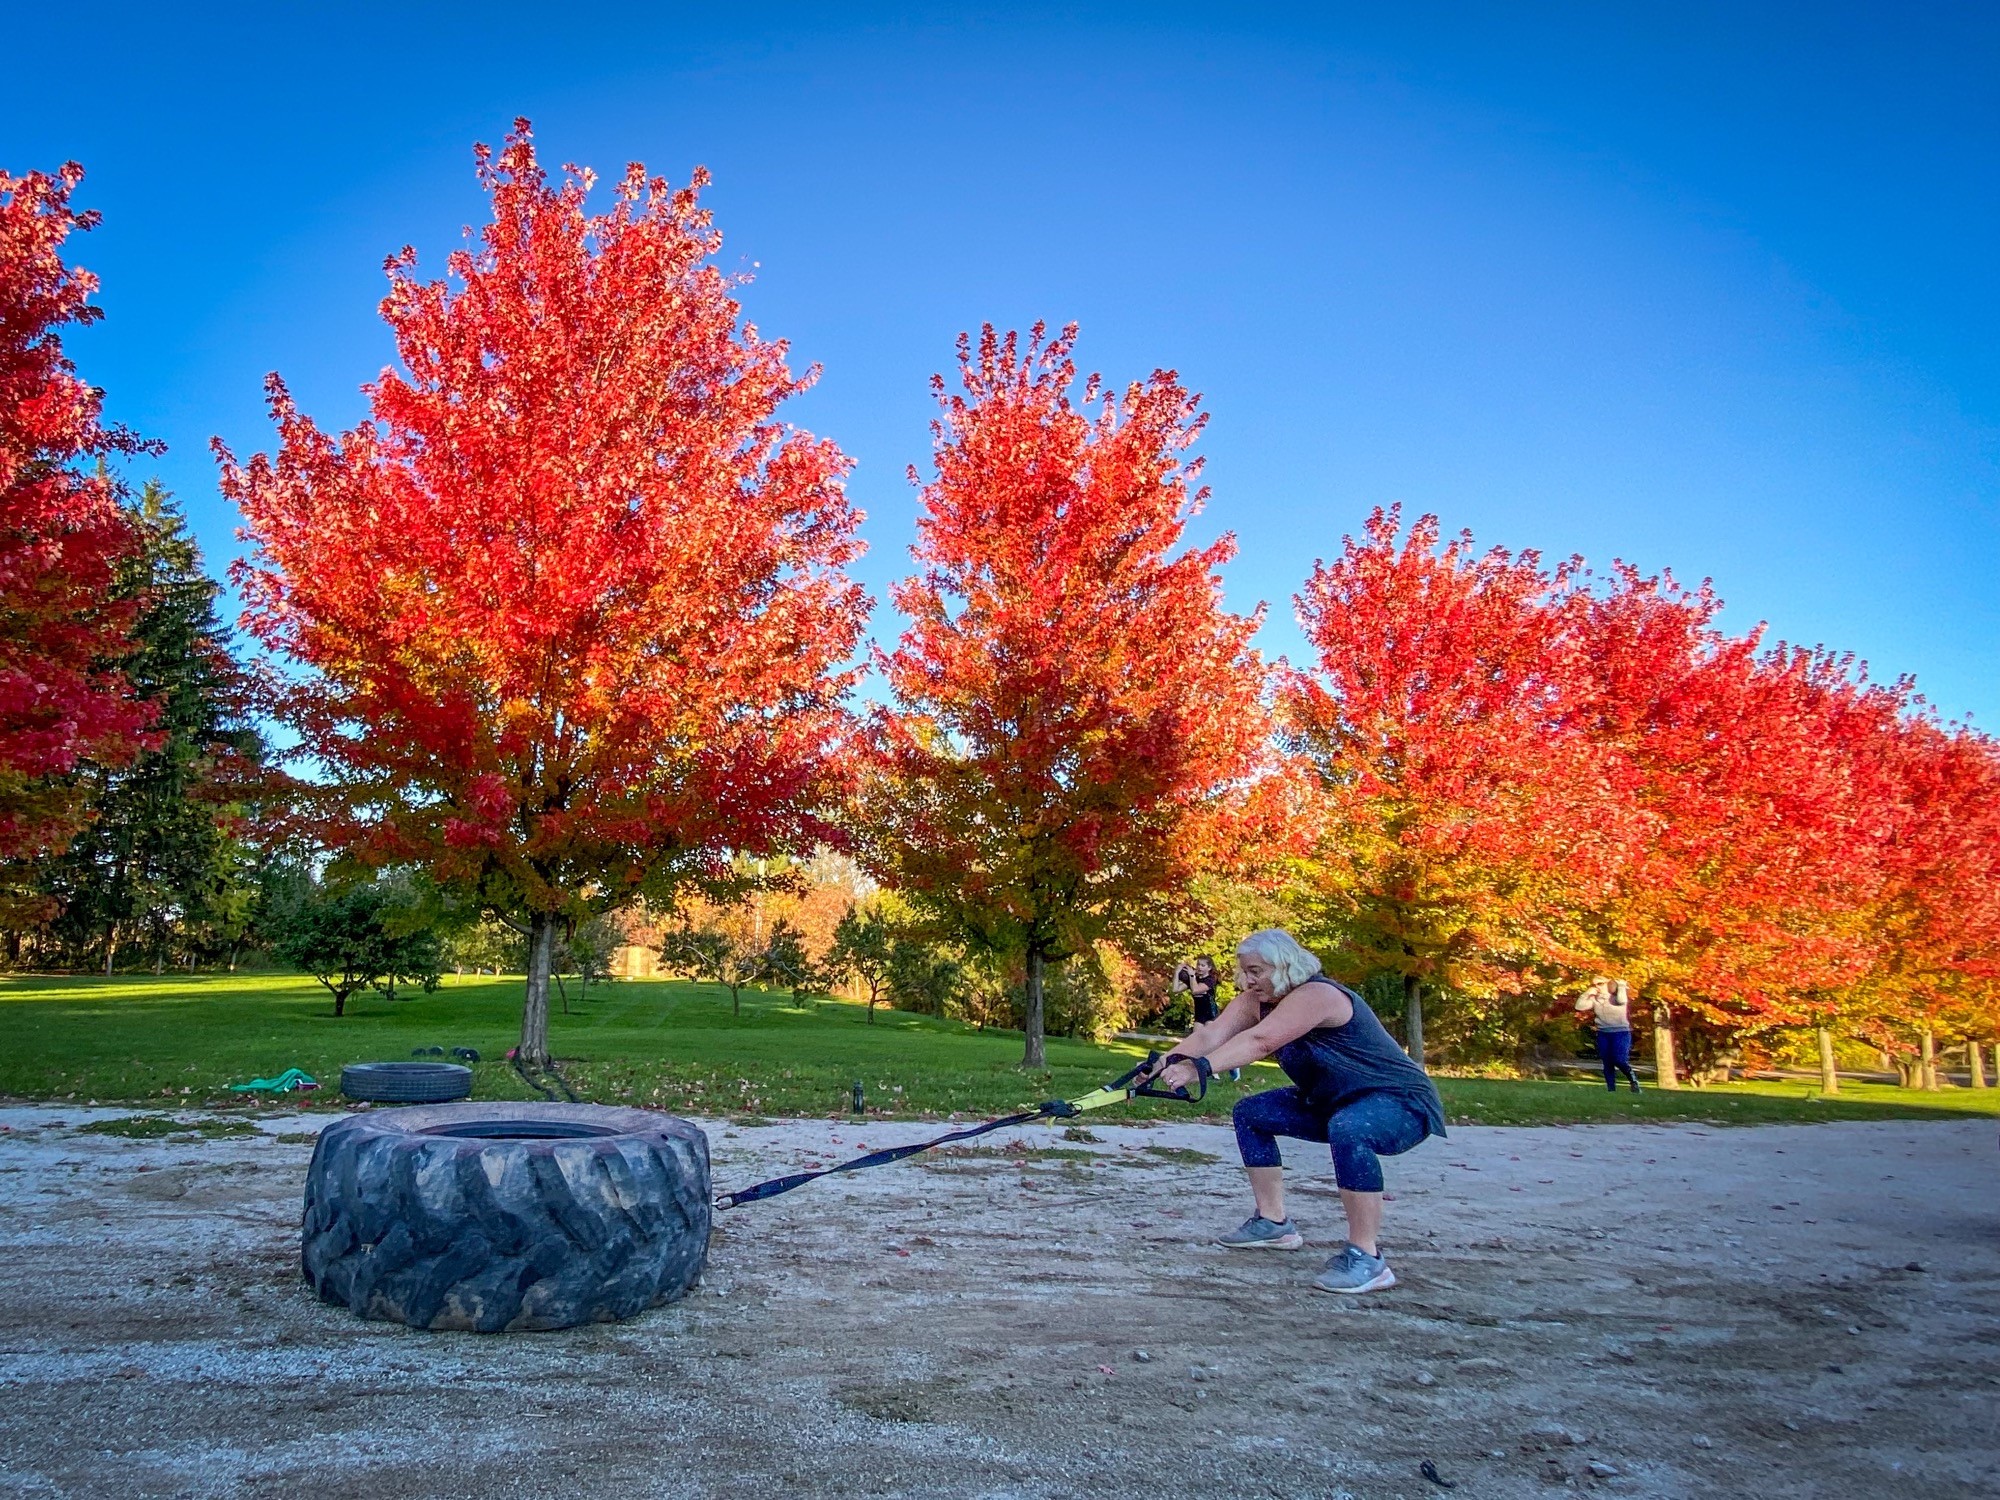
column 1115, row 1092
column 779, row 1185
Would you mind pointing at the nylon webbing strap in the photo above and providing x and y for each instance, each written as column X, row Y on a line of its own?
column 1115, row 1092
column 882, row 1158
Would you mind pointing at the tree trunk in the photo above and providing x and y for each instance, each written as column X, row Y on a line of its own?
column 871, row 1006
column 1929, row 1066
column 535, row 1013
column 1665, row 1075
column 1036, row 1055
column 1829, row 1075
column 1413, row 1017
column 736, row 999
column 340, row 1002
column 110, row 946
column 1976, row 1063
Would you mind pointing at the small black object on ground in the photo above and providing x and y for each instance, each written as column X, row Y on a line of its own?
column 494, row 1218
column 1430, row 1471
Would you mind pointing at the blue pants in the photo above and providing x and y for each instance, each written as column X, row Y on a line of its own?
column 1374, row 1124
column 1614, row 1050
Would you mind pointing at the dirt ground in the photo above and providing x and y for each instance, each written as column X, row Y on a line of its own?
column 1631, row 1310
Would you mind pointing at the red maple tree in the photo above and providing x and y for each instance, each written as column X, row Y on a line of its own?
column 1078, row 733
column 1759, row 778
column 572, row 606
column 1936, row 925
column 1458, row 811
column 63, row 538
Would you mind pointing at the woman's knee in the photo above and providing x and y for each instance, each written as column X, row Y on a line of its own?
column 1378, row 1124
column 1356, row 1168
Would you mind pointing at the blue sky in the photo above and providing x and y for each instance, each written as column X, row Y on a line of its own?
column 1707, row 287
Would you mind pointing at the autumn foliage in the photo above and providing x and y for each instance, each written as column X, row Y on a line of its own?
column 567, row 623
column 1452, row 812
column 63, row 537
column 1528, row 775
column 1077, row 716
column 570, row 607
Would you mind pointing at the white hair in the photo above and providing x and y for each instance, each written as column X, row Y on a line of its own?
column 1291, row 965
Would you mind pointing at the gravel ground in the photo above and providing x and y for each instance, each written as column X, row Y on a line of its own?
column 1631, row 1310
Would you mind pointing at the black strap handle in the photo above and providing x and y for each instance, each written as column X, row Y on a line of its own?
column 1203, row 1072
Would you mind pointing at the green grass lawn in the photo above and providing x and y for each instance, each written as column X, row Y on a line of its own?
column 182, row 1041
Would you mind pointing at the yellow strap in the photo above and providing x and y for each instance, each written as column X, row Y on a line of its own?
column 1098, row 1098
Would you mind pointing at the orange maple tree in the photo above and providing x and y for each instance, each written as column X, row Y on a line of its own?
column 64, row 538
column 1936, row 924
column 1746, row 766
column 1458, row 810
column 1077, row 734
column 571, row 608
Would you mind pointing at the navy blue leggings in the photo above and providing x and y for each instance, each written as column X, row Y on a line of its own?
column 1374, row 1124
column 1614, row 1050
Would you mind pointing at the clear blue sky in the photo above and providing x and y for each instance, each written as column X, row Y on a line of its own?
column 1702, row 286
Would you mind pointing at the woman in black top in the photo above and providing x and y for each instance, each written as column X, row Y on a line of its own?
column 1352, row 1088
column 1203, row 984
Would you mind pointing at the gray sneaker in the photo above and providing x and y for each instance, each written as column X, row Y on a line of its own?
column 1355, row 1270
column 1259, row 1233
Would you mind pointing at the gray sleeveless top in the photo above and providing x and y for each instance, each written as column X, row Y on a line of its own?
column 1335, row 1065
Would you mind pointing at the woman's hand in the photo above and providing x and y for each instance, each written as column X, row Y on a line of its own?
column 1182, row 1075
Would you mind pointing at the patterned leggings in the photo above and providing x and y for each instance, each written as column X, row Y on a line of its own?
column 1373, row 1126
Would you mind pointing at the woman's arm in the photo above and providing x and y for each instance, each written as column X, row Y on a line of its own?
column 1238, row 1015
column 1314, row 1003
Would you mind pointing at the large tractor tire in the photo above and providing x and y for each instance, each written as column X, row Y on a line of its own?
column 502, row 1218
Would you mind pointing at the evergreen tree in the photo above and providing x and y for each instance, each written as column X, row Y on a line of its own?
column 157, row 867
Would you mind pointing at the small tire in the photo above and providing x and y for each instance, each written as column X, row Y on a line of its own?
column 406, row 1082
column 502, row 1218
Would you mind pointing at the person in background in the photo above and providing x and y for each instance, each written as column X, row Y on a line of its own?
column 1203, row 983
column 1610, row 1007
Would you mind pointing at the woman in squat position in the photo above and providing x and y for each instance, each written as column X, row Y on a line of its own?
column 1352, row 1088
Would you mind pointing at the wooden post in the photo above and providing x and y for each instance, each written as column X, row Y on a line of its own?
column 1829, row 1075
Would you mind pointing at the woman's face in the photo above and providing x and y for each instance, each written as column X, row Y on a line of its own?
column 1253, row 978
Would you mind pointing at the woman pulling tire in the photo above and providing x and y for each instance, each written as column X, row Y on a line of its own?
column 1353, row 1089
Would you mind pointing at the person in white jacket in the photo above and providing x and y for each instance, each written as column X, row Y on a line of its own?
column 1610, row 1007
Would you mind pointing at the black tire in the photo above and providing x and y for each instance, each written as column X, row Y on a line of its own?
column 503, row 1218
column 406, row 1082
